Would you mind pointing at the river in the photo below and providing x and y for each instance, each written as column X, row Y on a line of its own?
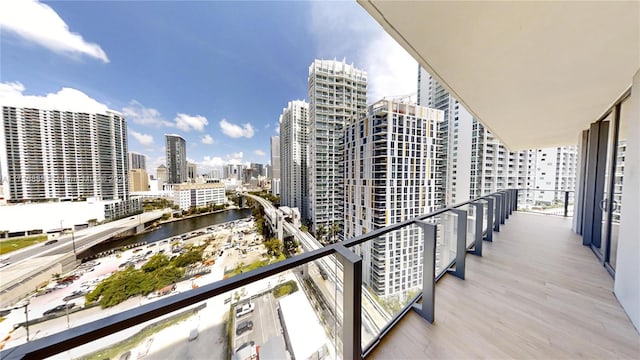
column 171, row 229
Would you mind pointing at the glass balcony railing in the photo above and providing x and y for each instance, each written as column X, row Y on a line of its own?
column 336, row 301
column 548, row 202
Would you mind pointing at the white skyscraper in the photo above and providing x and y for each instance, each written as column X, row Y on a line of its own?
column 62, row 155
column 294, row 123
column 337, row 96
column 275, row 165
column 390, row 173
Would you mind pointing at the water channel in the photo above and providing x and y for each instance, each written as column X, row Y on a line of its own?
column 171, row 229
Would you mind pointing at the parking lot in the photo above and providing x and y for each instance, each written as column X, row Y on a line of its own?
column 265, row 322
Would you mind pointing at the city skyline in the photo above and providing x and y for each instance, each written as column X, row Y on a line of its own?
column 86, row 66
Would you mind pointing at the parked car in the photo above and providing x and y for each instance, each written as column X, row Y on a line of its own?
column 75, row 295
column 51, row 242
column 58, row 309
column 244, row 309
column 244, row 327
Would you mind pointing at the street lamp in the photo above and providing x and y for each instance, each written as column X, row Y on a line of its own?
column 73, row 237
column 24, row 305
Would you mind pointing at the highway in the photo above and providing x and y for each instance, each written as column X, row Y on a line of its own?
column 374, row 317
column 84, row 239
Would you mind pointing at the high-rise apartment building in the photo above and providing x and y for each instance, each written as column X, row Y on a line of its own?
column 137, row 161
column 62, row 155
column 176, row 150
column 275, row 164
column 294, row 123
column 234, row 171
column 475, row 163
column 390, row 173
column 337, row 97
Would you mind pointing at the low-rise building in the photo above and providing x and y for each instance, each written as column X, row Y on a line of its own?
column 197, row 195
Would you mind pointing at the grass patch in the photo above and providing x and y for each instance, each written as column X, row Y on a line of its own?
column 1, row 319
column 286, row 288
column 13, row 244
column 113, row 351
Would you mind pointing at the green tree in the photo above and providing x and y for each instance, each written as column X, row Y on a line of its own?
column 190, row 257
column 157, row 261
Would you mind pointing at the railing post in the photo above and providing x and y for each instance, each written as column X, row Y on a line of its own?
column 426, row 309
column 477, row 241
column 566, row 203
column 461, row 243
column 491, row 201
column 498, row 213
column 351, row 303
column 507, row 204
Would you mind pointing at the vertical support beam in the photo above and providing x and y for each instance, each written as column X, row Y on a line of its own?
column 490, row 217
column 351, row 303
column 498, row 213
column 426, row 309
column 477, row 241
column 461, row 243
column 515, row 199
column 566, row 203
column 507, row 204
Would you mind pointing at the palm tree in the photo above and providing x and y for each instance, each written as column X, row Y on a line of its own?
column 333, row 230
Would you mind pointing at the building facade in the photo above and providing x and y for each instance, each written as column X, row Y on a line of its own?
column 390, row 174
column 62, row 155
column 138, row 180
column 337, row 97
column 275, row 164
column 189, row 195
column 192, row 172
column 294, row 124
column 162, row 175
column 137, row 161
column 176, row 154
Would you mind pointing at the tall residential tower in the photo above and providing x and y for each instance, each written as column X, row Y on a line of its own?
column 176, row 149
column 337, row 97
column 294, row 123
column 62, row 155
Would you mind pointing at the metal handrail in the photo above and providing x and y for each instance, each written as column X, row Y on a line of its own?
column 83, row 334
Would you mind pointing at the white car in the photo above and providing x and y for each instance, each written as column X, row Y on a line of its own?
column 244, row 309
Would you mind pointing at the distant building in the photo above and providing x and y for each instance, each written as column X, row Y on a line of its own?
column 275, row 163
column 62, row 155
column 176, row 153
column 162, row 175
column 192, row 171
column 390, row 174
column 198, row 195
column 234, row 171
column 294, row 142
column 337, row 96
column 137, row 161
column 138, row 180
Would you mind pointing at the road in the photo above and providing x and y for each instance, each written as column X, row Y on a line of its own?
column 374, row 317
column 84, row 238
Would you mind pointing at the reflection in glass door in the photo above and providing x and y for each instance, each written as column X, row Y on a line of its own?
column 616, row 188
column 604, row 205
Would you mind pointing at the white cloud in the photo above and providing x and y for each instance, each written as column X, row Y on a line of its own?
column 236, row 131
column 278, row 129
column 143, row 115
column 143, row 139
column 207, row 139
column 39, row 23
column 260, row 152
column 216, row 161
column 67, row 99
column 153, row 163
column 344, row 28
column 186, row 122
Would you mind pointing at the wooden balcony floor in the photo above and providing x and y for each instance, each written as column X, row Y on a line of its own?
column 535, row 293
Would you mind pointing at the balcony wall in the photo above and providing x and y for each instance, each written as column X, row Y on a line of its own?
column 535, row 293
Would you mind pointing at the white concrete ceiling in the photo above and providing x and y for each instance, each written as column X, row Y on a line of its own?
column 534, row 73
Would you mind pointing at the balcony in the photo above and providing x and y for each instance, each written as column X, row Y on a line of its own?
column 510, row 284
column 536, row 292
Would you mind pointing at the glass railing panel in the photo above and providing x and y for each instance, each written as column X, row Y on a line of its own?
column 471, row 223
column 547, row 202
column 446, row 241
column 392, row 267
column 485, row 218
column 277, row 315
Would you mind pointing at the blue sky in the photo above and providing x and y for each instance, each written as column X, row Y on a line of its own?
column 217, row 73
